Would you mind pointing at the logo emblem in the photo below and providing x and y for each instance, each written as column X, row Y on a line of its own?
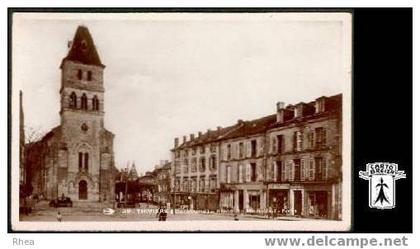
column 382, row 177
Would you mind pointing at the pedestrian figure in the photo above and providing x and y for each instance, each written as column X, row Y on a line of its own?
column 158, row 214
column 59, row 217
column 163, row 215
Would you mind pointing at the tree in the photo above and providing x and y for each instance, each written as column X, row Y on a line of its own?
column 33, row 134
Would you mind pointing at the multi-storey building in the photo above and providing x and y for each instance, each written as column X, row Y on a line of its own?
column 304, row 159
column 162, row 174
column 195, row 169
column 288, row 162
column 242, row 167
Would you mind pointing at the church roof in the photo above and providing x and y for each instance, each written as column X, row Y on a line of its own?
column 83, row 48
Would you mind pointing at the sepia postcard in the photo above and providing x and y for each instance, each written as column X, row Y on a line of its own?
column 176, row 121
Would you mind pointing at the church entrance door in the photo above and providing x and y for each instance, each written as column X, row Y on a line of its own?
column 83, row 190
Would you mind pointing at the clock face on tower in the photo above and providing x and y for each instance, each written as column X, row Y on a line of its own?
column 84, row 127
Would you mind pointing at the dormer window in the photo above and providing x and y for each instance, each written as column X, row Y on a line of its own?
column 320, row 105
column 298, row 110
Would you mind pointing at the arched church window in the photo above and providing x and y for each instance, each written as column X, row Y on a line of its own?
column 73, row 100
column 84, row 102
column 79, row 74
column 89, row 75
column 86, row 162
column 80, row 161
column 83, row 162
column 95, row 103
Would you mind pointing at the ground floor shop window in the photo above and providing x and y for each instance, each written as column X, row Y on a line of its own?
column 279, row 201
column 254, row 202
column 318, row 204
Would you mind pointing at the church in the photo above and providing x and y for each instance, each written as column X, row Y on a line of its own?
column 76, row 158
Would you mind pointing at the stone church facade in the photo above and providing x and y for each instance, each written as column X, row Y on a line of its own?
column 76, row 158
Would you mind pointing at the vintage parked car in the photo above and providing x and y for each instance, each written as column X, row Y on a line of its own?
column 61, row 202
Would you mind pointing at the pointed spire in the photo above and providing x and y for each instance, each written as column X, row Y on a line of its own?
column 83, row 48
column 133, row 171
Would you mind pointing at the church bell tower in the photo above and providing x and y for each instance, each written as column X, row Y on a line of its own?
column 82, row 114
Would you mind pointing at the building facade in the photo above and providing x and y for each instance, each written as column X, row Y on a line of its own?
column 242, row 168
column 76, row 158
column 195, row 170
column 163, row 182
column 304, row 159
column 288, row 163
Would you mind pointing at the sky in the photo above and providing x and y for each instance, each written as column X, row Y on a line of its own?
column 171, row 75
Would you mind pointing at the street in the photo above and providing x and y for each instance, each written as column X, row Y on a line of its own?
column 144, row 213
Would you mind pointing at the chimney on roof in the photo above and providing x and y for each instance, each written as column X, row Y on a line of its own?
column 208, row 130
column 200, row 133
column 240, row 121
column 192, row 136
column 280, row 105
column 184, row 139
column 176, row 142
column 280, row 112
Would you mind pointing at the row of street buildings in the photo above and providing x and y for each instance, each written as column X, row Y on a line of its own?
column 289, row 162
column 151, row 187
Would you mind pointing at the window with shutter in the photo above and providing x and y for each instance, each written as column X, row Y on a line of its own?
column 253, row 148
column 241, row 150
column 248, row 173
column 299, row 141
column 320, row 136
column 291, row 170
column 302, row 169
column 228, row 174
column 222, row 173
column 283, row 172
column 280, row 144
column 279, row 171
column 311, row 170
column 324, row 169
column 253, row 173
column 240, row 173
column 311, row 141
column 319, row 168
column 273, row 145
column 274, row 171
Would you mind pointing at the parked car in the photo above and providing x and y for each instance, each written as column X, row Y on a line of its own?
column 61, row 202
